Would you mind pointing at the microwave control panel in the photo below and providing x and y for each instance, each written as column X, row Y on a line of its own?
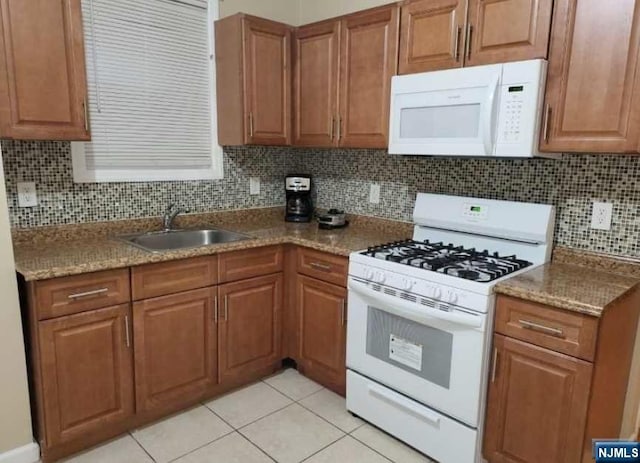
column 513, row 103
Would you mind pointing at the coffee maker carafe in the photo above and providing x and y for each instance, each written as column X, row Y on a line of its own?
column 299, row 205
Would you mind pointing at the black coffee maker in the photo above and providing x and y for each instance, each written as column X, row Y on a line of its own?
column 299, row 205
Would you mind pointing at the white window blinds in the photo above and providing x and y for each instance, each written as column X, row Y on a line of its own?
column 150, row 92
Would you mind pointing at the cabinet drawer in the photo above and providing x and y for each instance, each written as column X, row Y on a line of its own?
column 74, row 294
column 173, row 277
column 559, row 330
column 240, row 265
column 323, row 266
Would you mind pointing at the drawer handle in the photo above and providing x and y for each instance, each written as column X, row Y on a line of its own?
column 215, row 310
column 557, row 332
column 494, row 368
column 319, row 266
column 95, row 292
column 344, row 312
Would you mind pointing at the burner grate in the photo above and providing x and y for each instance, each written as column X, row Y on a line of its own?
column 457, row 261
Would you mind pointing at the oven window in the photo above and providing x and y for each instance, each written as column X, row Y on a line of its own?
column 457, row 121
column 419, row 349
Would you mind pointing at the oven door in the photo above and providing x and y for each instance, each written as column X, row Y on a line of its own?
column 434, row 357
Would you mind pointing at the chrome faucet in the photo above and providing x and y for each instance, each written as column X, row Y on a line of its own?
column 170, row 215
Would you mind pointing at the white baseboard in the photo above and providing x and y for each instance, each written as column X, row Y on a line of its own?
column 29, row 453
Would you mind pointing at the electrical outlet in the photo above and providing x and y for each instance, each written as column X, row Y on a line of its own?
column 27, row 195
column 374, row 193
column 254, row 185
column 601, row 216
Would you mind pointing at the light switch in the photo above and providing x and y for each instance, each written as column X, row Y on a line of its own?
column 27, row 195
column 254, row 185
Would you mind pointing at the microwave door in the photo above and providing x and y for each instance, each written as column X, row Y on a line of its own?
column 446, row 122
column 452, row 113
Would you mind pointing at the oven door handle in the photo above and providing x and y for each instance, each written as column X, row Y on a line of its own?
column 420, row 314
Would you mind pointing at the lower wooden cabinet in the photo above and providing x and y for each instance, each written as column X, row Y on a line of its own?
column 87, row 372
column 322, row 312
column 537, row 405
column 249, row 326
column 175, row 348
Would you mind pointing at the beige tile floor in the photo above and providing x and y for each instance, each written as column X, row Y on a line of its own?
column 285, row 418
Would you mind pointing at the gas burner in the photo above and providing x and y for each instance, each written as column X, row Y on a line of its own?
column 457, row 261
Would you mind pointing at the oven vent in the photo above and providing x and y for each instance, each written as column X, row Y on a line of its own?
column 408, row 297
column 427, row 302
column 376, row 287
column 390, row 292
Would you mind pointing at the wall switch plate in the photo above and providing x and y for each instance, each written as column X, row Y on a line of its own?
column 374, row 193
column 601, row 216
column 254, row 185
column 27, row 195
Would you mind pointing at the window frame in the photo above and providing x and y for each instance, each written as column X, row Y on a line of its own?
column 81, row 174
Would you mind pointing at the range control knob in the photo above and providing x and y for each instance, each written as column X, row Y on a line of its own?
column 369, row 274
column 380, row 277
column 407, row 284
column 452, row 297
column 437, row 293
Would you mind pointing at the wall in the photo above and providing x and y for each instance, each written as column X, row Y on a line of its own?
column 62, row 201
column 286, row 11
column 15, row 418
column 314, row 10
column 296, row 12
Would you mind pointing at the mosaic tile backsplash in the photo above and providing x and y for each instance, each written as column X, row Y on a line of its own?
column 61, row 201
column 342, row 179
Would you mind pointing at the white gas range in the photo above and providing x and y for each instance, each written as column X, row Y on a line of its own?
column 421, row 317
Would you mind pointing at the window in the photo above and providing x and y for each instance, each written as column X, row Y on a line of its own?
column 151, row 92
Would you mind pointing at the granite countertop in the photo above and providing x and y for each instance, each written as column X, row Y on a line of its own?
column 566, row 285
column 53, row 252
column 575, row 280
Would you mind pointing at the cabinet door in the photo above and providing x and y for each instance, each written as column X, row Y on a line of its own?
column 249, row 332
column 175, row 345
column 507, row 30
column 316, row 62
column 42, row 70
column 369, row 58
column 432, row 35
column 322, row 319
column 537, row 405
column 593, row 68
column 87, row 372
column 267, row 48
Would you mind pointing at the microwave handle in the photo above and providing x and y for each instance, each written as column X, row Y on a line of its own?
column 490, row 115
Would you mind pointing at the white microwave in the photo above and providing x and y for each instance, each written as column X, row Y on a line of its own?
column 493, row 110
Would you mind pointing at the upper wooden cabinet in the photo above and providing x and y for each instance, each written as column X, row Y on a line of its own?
column 443, row 34
column 368, row 61
column 432, row 34
column 253, row 81
column 87, row 373
column 316, row 61
column 342, row 80
column 507, row 30
column 593, row 74
column 43, row 84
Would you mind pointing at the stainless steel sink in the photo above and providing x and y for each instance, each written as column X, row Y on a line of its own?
column 181, row 239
